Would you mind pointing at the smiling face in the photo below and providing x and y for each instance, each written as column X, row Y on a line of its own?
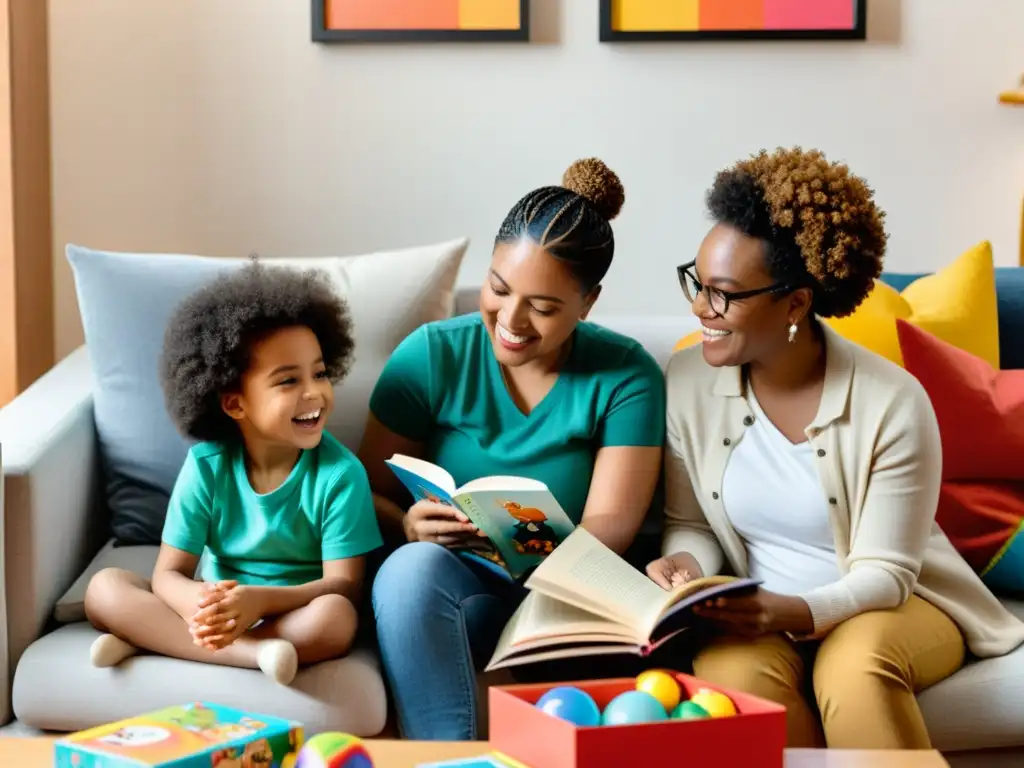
column 285, row 395
column 753, row 328
column 530, row 303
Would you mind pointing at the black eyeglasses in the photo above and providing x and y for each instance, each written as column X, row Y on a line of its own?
column 718, row 299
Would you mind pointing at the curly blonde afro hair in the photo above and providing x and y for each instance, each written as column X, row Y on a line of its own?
column 819, row 222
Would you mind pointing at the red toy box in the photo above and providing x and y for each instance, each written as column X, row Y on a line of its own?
column 753, row 738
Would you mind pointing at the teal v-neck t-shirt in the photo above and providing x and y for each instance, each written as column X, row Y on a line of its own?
column 443, row 387
column 322, row 511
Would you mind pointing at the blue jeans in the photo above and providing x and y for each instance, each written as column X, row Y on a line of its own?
column 438, row 619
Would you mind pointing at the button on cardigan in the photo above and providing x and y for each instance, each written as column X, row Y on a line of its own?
column 880, row 466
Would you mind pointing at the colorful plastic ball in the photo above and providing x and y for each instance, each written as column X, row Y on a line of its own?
column 715, row 704
column 689, row 710
column 633, row 707
column 570, row 703
column 333, row 750
column 662, row 686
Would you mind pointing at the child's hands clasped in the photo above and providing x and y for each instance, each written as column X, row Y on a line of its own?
column 225, row 611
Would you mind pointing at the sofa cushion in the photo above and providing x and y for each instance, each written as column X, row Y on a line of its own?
column 957, row 304
column 982, row 520
column 56, row 688
column 979, row 707
column 138, row 559
column 126, row 300
column 980, row 410
column 1010, row 305
column 657, row 333
column 1005, row 573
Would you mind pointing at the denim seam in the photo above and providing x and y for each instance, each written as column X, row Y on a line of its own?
column 468, row 680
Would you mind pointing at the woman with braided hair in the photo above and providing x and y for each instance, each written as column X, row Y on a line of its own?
column 814, row 465
column 524, row 387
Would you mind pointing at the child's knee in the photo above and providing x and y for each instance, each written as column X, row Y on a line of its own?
column 336, row 619
column 105, row 591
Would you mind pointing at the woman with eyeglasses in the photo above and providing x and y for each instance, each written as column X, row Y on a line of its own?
column 813, row 465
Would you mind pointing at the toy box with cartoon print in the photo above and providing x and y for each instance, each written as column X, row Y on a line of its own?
column 197, row 735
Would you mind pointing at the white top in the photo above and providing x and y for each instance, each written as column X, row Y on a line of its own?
column 773, row 497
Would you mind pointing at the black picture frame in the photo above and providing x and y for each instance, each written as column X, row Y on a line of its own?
column 608, row 34
column 321, row 34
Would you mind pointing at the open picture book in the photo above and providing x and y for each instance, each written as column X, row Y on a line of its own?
column 586, row 600
column 520, row 519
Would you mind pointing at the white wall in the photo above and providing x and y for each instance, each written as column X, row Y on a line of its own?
column 216, row 126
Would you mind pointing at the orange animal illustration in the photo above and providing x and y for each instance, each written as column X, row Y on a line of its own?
column 533, row 535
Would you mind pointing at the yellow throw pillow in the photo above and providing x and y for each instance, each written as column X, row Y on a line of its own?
column 956, row 304
column 694, row 337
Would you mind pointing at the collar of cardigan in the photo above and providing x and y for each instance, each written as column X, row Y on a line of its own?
column 835, row 396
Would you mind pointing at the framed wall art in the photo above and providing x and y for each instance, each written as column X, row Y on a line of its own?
column 654, row 20
column 383, row 21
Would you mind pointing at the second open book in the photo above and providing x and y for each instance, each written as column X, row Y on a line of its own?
column 586, row 600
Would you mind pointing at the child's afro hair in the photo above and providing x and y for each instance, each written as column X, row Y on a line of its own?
column 211, row 333
column 819, row 223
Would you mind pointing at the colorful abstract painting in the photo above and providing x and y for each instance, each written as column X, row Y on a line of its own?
column 623, row 20
column 422, row 20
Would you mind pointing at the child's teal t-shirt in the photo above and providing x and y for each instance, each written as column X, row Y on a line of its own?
column 322, row 511
column 443, row 387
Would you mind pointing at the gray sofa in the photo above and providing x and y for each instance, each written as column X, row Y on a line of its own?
column 54, row 538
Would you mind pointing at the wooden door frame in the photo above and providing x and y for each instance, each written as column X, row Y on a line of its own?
column 26, row 218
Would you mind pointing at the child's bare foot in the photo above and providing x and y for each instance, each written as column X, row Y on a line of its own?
column 278, row 660
column 110, row 650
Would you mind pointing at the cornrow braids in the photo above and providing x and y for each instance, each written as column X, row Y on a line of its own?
column 572, row 222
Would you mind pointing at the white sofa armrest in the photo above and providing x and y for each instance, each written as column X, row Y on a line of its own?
column 52, row 525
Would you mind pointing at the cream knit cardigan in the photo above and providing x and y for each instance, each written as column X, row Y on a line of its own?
column 880, row 465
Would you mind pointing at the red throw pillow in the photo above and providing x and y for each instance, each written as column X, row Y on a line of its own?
column 980, row 410
column 981, row 518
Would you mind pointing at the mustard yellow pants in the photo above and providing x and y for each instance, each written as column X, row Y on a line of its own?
column 856, row 688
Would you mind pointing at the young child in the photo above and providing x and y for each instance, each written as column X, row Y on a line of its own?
column 277, row 510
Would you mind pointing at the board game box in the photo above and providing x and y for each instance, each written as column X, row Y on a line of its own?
column 196, row 735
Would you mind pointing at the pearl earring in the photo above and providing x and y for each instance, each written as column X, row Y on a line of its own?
column 792, row 333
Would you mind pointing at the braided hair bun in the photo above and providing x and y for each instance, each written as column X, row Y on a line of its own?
column 598, row 184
